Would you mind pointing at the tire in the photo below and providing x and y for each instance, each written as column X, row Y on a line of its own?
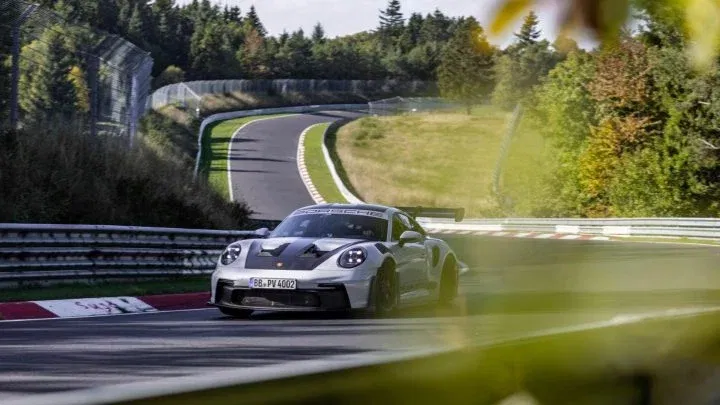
column 384, row 294
column 448, row 283
column 236, row 313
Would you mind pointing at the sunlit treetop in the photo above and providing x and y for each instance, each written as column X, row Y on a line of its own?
column 698, row 19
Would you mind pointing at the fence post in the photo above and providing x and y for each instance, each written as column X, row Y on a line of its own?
column 15, row 73
column 134, row 95
column 93, row 72
column 507, row 139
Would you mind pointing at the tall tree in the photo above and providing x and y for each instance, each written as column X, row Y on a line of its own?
column 391, row 22
column 8, row 12
column 318, row 35
column 465, row 73
column 252, row 22
column 530, row 30
column 523, row 65
column 46, row 90
column 410, row 37
column 436, row 27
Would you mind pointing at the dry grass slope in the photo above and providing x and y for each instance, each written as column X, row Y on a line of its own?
column 434, row 159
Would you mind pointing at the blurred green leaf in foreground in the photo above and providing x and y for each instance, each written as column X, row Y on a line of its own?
column 699, row 20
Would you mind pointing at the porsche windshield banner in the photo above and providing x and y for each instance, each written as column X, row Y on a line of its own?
column 340, row 211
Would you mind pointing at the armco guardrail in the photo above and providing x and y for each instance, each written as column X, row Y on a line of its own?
column 31, row 253
column 47, row 253
column 649, row 227
column 267, row 111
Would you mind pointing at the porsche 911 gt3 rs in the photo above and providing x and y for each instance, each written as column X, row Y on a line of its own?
column 338, row 257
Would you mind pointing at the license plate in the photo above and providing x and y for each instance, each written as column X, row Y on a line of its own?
column 273, row 283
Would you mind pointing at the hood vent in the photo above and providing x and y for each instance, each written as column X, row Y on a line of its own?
column 313, row 251
column 273, row 252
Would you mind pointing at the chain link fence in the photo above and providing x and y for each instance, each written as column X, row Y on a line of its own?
column 404, row 105
column 190, row 95
column 61, row 72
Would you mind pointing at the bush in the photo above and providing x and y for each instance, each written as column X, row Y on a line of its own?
column 62, row 176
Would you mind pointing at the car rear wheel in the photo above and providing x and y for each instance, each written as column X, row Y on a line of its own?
column 448, row 282
column 236, row 313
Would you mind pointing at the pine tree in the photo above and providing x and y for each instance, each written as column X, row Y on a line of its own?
column 252, row 21
column 136, row 27
column 465, row 73
column 391, row 21
column 436, row 27
column 8, row 12
column 46, row 90
column 411, row 34
column 530, row 31
column 318, row 35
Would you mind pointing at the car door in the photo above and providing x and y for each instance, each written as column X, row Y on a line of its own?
column 410, row 257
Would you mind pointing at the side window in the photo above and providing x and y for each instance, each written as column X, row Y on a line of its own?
column 397, row 228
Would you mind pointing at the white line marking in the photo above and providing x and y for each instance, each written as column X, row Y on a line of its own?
column 230, row 145
column 523, row 235
column 302, row 168
column 570, row 237
column 545, row 236
column 106, row 316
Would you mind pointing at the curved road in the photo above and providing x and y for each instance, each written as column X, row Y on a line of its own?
column 263, row 163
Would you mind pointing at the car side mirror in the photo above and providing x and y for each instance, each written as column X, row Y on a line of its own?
column 263, row 232
column 410, row 237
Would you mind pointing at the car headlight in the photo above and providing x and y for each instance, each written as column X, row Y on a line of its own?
column 230, row 255
column 352, row 257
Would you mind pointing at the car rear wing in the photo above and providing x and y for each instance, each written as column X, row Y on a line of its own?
column 424, row 212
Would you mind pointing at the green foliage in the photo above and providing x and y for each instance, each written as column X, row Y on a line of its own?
column 8, row 12
column 391, row 22
column 529, row 31
column 46, row 89
column 172, row 74
column 523, row 65
column 318, row 35
column 252, row 22
column 632, row 129
column 465, row 73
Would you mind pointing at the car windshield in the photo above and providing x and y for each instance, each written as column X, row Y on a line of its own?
column 330, row 225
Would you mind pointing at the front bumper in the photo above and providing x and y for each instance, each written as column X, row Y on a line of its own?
column 323, row 298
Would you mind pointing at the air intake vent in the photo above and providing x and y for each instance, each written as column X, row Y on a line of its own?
column 273, row 252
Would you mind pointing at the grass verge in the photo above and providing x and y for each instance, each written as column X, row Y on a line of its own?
column 434, row 159
column 108, row 289
column 317, row 167
column 216, row 146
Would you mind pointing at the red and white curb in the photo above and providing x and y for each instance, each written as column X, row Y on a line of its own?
column 302, row 168
column 528, row 235
column 86, row 307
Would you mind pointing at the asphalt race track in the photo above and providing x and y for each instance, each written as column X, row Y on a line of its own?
column 515, row 286
column 263, row 163
column 533, row 290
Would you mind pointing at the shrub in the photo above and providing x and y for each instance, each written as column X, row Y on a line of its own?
column 62, row 176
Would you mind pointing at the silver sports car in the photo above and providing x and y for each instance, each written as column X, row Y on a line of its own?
column 338, row 257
